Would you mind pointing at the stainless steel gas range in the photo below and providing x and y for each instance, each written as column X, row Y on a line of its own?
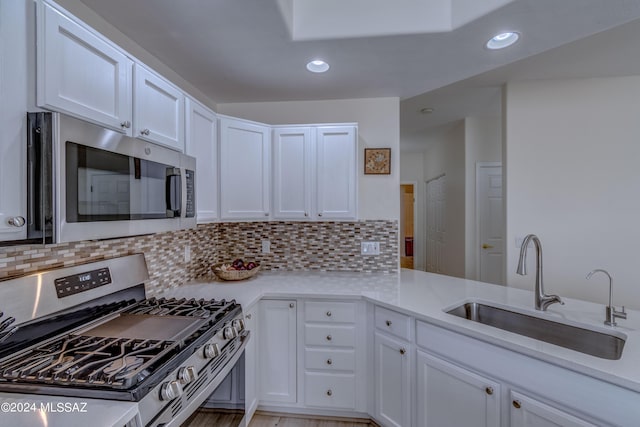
column 86, row 337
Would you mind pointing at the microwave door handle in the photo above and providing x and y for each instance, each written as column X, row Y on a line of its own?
column 173, row 192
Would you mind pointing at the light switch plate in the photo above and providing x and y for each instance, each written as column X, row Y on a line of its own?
column 370, row 248
column 266, row 246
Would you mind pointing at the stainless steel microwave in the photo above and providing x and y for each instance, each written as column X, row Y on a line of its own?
column 86, row 182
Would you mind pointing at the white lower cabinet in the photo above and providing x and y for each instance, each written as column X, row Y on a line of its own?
column 528, row 412
column 393, row 366
column 277, row 347
column 334, row 373
column 450, row 395
column 251, row 357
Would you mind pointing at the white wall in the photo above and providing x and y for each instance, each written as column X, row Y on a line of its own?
column 91, row 18
column 573, row 174
column 378, row 127
column 483, row 143
column 446, row 155
column 412, row 170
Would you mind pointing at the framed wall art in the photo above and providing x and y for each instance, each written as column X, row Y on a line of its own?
column 377, row 161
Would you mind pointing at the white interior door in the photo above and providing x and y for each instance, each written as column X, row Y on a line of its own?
column 436, row 224
column 490, row 222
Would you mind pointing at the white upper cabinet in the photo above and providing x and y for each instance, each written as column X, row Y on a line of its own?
column 244, row 169
column 202, row 143
column 158, row 109
column 336, row 172
column 80, row 74
column 292, row 163
column 314, row 172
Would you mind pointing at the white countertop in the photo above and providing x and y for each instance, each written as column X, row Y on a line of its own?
column 427, row 295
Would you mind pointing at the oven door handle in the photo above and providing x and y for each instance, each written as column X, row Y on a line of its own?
column 173, row 192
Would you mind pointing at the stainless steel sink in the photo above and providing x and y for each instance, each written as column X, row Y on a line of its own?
column 594, row 343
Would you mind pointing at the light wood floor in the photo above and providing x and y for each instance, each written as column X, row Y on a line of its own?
column 406, row 262
column 204, row 418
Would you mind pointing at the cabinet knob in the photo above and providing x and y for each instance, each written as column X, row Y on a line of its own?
column 266, row 214
column 329, row 362
column 145, row 132
column 328, row 314
column 291, row 305
column 126, row 124
column 329, row 392
column 306, row 214
column 319, row 214
column 248, row 316
column 16, row 221
column 489, row 390
column 329, row 338
column 388, row 322
column 516, row 404
column 403, row 350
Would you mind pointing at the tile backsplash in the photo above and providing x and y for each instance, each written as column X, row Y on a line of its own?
column 322, row 246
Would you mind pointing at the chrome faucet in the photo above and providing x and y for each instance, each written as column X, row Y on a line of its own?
column 543, row 301
column 611, row 312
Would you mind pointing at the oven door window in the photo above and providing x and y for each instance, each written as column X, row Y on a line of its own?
column 106, row 186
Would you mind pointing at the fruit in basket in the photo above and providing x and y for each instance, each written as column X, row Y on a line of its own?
column 237, row 264
column 251, row 265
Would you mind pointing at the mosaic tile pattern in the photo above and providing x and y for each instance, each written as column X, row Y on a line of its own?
column 295, row 246
column 321, row 246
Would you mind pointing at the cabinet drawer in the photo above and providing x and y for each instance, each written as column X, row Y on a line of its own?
column 393, row 323
column 334, row 360
column 330, row 390
column 330, row 335
column 329, row 311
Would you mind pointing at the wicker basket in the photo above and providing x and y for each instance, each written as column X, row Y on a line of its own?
column 234, row 274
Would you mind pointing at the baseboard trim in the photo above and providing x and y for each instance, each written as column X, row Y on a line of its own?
column 303, row 413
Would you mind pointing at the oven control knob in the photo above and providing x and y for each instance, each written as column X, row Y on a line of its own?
column 211, row 351
column 229, row 332
column 170, row 390
column 186, row 375
column 238, row 324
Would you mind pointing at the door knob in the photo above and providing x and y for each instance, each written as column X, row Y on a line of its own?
column 485, row 246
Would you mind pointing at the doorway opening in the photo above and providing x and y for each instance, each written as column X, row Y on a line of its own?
column 407, row 224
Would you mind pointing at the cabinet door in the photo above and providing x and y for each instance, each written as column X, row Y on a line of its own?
column 251, row 358
column 244, row 169
column 158, row 109
column 202, row 143
column 528, row 412
column 476, row 400
column 277, row 347
column 336, row 176
column 81, row 74
column 15, row 82
column 292, row 173
column 393, row 381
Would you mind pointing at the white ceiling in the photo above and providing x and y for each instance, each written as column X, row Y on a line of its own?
column 242, row 51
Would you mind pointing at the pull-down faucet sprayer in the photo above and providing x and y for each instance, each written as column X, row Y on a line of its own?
column 542, row 300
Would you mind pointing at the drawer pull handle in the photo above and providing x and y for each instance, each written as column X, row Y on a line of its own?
column 403, row 350
column 329, row 362
column 388, row 322
column 328, row 314
column 329, row 392
column 517, row 404
column 291, row 305
column 489, row 390
column 328, row 337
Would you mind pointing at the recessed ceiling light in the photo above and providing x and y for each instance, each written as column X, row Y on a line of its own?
column 317, row 66
column 426, row 110
column 502, row 40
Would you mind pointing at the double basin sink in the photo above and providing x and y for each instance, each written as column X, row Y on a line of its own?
column 588, row 341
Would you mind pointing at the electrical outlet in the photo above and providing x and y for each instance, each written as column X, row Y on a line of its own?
column 370, row 248
column 266, row 246
column 187, row 253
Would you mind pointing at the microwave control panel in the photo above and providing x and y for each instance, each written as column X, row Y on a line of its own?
column 71, row 285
